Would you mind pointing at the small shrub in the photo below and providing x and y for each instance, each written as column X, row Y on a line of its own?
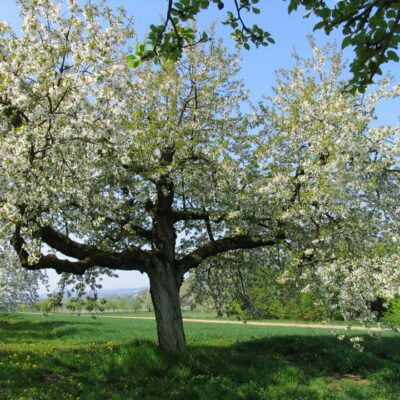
column 393, row 314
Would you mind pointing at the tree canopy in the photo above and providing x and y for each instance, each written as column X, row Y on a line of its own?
column 157, row 169
column 371, row 27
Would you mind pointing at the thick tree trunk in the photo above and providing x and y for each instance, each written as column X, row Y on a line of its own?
column 164, row 289
column 165, row 277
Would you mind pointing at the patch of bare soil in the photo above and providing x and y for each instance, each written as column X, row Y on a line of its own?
column 336, row 379
column 51, row 378
column 257, row 323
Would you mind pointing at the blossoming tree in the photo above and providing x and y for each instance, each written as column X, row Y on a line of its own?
column 156, row 169
column 17, row 285
column 331, row 183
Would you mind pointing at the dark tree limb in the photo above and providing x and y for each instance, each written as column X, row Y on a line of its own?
column 87, row 256
column 193, row 259
column 64, row 244
column 196, row 215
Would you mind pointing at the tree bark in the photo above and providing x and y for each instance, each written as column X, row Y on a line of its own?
column 164, row 289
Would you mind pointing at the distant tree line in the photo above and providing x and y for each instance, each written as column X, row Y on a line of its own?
column 264, row 300
column 254, row 291
column 90, row 304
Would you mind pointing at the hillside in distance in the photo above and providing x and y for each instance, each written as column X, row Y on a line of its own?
column 118, row 293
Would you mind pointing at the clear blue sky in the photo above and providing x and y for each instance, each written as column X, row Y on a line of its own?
column 258, row 65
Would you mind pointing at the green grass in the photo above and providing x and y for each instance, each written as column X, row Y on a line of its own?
column 185, row 314
column 211, row 315
column 69, row 357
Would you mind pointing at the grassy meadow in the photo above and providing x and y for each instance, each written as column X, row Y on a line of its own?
column 209, row 315
column 69, row 357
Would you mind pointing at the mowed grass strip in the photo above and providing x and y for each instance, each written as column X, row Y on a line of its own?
column 69, row 357
column 207, row 315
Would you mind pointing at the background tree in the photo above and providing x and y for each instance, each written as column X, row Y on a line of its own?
column 157, row 170
column 194, row 298
column 17, row 285
column 187, row 297
column 249, row 285
column 74, row 304
column 393, row 314
column 122, row 303
column 45, row 306
column 112, row 304
column 343, row 236
column 142, row 302
column 354, row 232
column 370, row 27
column 219, row 283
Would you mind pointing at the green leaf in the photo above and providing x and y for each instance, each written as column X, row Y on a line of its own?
column 346, row 41
column 341, row 5
column 230, row 15
column 134, row 63
column 323, row 12
column 346, row 30
column 293, row 5
column 179, row 6
column 319, row 25
column 379, row 34
column 375, row 21
column 391, row 55
column 361, row 89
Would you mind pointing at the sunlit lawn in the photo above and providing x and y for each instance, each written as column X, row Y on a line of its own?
column 212, row 316
column 70, row 357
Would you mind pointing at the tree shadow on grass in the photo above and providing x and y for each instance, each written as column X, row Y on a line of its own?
column 283, row 367
column 326, row 354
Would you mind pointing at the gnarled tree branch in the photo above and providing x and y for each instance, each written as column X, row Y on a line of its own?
column 87, row 256
column 194, row 258
column 193, row 215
